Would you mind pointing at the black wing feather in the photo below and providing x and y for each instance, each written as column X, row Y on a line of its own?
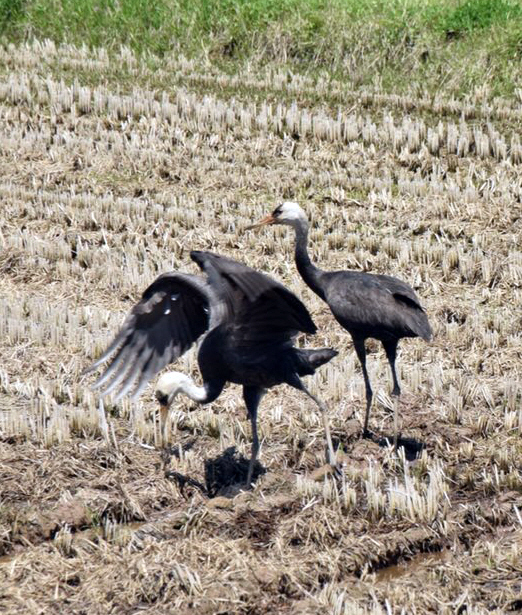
column 171, row 315
column 176, row 309
column 260, row 310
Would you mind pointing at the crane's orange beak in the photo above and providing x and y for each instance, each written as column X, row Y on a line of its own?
column 268, row 220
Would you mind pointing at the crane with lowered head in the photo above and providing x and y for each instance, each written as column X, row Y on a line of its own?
column 247, row 322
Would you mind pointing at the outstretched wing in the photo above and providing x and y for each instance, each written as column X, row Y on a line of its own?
column 259, row 310
column 172, row 313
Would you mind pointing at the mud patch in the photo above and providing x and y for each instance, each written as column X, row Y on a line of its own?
column 389, row 574
column 257, row 526
column 412, row 447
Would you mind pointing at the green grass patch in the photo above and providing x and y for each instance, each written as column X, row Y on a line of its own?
column 388, row 42
column 471, row 15
column 159, row 26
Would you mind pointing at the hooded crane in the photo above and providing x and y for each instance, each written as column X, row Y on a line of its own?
column 248, row 321
column 366, row 305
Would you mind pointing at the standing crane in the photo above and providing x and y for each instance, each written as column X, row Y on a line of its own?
column 366, row 305
column 247, row 321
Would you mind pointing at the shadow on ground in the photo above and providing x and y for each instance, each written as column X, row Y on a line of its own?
column 229, row 468
column 412, row 447
column 352, row 439
column 222, row 472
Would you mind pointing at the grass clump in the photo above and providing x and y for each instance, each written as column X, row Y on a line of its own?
column 161, row 25
column 140, row 24
column 457, row 45
column 471, row 15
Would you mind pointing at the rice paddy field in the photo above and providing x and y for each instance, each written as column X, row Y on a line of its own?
column 112, row 169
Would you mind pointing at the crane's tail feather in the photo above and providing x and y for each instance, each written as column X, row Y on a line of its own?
column 308, row 360
column 423, row 328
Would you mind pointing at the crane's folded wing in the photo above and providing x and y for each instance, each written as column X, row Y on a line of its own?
column 376, row 302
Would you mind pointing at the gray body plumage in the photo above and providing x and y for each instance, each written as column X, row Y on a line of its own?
column 378, row 306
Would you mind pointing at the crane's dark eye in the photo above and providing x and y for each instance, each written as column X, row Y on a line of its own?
column 162, row 398
column 277, row 211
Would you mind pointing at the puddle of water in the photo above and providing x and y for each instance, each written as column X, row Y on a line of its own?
column 392, row 573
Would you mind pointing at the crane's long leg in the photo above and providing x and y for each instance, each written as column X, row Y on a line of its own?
column 324, row 413
column 360, row 349
column 252, row 397
column 390, row 348
column 395, row 424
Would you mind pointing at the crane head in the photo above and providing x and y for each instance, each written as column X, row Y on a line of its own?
column 287, row 213
column 168, row 386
